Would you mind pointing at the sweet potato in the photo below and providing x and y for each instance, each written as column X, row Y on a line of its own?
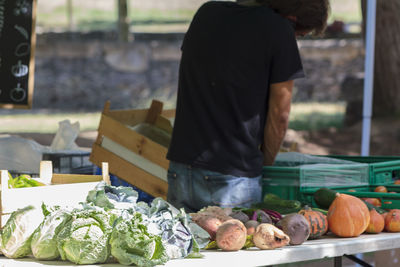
column 231, row 235
column 268, row 236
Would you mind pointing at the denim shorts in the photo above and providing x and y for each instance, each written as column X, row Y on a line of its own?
column 194, row 188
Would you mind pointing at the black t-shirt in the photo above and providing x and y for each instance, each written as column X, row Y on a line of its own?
column 230, row 55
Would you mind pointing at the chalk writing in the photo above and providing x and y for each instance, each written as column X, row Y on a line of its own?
column 16, row 46
column 2, row 15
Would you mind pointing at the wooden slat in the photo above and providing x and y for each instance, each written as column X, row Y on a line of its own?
column 135, row 116
column 59, row 178
column 133, row 141
column 130, row 173
column 128, row 117
column 169, row 113
column 12, row 199
column 154, row 111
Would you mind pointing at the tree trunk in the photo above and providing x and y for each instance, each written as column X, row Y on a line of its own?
column 123, row 22
column 70, row 17
column 387, row 59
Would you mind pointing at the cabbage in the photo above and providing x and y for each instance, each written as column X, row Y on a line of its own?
column 17, row 232
column 84, row 238
column 44, row 244
column 111, row 197
column 173, row 229
column 132, row 244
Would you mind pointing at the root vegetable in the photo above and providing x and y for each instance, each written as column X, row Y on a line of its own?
column 251, row 226
column 261, row 216
column 210, row 223
column 213, row 211
column 240, row 215
column 296, row 227
column 268, row 236
column 231, row 235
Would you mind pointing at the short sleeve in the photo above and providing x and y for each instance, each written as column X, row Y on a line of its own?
column 286, row 61
column 194, row 19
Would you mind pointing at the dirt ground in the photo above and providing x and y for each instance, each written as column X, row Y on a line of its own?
column 385, row 139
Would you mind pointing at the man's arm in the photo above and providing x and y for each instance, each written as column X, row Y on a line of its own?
column 280, row 97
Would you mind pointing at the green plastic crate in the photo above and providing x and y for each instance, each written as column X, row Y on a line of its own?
column 388, row 200
column 383, row 170
column 300, row 182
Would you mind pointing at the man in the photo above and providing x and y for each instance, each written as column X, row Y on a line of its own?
column 236, row 76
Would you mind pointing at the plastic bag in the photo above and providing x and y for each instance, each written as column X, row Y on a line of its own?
column 318, row 171
column 20, row 155
column 294, row 159
column 65, row 136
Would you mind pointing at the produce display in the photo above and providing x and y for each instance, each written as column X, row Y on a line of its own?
column 111, row 226
column 278, row 222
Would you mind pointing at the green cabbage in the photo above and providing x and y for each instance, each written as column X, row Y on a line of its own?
column 17, row 233
column 84, row 238
column 132, row 244
column 44, row 243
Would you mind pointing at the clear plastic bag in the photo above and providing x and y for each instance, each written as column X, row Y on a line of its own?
column 320, row 171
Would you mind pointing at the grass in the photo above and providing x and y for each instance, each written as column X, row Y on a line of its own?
column 28, row 123
column 316, row 116
column 304, row 116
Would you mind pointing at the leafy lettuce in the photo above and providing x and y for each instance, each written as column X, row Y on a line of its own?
column 17, row 233
column 44, row 243
column 84, row 238
column 132, row 244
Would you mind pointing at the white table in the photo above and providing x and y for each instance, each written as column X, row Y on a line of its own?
column 327, row 247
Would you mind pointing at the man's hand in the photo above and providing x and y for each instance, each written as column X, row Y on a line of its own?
column 280, row 97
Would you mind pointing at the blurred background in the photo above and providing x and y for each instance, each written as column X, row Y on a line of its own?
column 128, row 52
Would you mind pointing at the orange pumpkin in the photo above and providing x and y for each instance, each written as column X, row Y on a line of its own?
column 317, row 220
column 392, row 221
column 348, row 216
column 380, row 189
column 376, row 222
column 397, row 181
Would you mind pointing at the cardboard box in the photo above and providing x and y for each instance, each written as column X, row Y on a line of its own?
column 57, row 189
column 134, row 157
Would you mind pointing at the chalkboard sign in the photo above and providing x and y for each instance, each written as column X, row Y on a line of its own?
column 17, row 47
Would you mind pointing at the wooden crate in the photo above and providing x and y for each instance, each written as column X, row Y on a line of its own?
column 134, row 157
column 58, row 189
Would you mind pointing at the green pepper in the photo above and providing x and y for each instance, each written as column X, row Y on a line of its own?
column 33, row 182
